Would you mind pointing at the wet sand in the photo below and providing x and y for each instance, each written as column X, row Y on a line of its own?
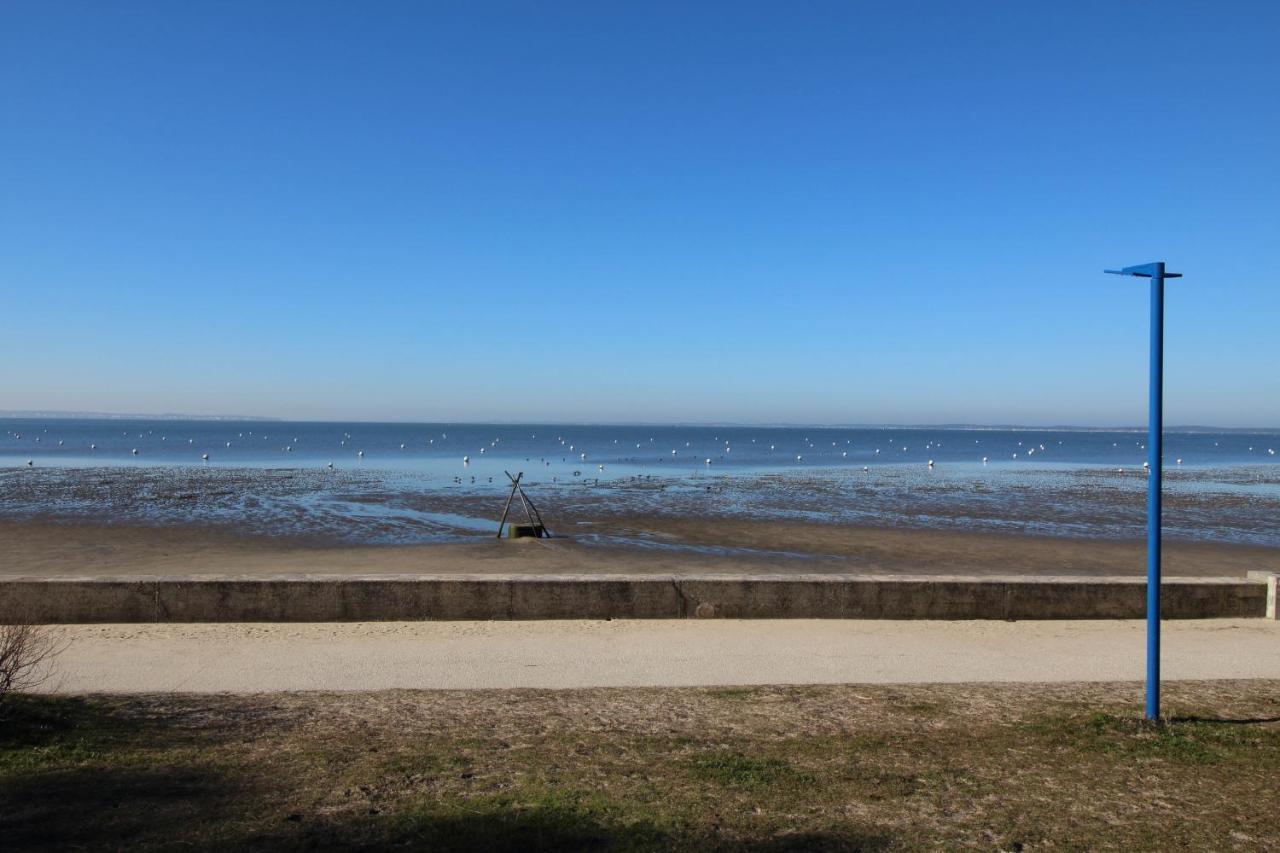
column 373, row 507
column 672, row 546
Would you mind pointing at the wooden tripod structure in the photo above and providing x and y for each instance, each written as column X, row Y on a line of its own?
column 535, row 527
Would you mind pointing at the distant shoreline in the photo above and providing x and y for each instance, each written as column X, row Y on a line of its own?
column 30, row 415
column 173, row 416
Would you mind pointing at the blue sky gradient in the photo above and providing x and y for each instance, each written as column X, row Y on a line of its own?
column 823, row 212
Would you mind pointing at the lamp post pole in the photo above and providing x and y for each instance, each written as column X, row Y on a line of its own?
column 1155, row 441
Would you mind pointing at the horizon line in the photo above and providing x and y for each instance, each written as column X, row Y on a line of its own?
column 34, row 414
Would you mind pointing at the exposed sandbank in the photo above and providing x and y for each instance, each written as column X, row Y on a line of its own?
column 44, row 549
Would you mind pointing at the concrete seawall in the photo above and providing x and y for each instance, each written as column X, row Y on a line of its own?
column 329, row 598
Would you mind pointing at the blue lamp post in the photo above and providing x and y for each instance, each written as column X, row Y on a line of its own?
column 1156, row 273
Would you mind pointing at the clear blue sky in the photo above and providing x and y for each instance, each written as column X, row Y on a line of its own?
column 813, row 212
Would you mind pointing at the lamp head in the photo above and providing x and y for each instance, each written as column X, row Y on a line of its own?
column 1144, row 271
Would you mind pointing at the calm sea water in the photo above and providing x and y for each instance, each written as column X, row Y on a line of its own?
column 605, row 452
column 431, row 482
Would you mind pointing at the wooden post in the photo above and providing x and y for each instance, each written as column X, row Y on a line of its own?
column 515, row 484
column 537, row 515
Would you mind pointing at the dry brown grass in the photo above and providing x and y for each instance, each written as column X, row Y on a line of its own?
column 900, row 767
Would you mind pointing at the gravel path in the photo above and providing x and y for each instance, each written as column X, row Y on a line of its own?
column 245, row 658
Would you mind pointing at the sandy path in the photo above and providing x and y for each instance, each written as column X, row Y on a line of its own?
column 372, row 656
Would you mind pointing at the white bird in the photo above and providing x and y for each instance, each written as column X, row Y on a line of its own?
column 135, row 451
column 204, row 456
column 30, row 463
column 708, row 461
column 466, row 460
column 865, row 468
column 93, row 447
column 1179, row 460
column 359, row 453
column 984, row 460
column 401, row 446
column 330, row 464
column 799, row 458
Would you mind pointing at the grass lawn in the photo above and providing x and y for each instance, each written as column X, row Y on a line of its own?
column 1012, row 767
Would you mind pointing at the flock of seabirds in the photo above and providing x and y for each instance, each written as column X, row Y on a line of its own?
column 571, row 448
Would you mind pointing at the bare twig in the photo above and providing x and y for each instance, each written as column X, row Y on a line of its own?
column 27, row 653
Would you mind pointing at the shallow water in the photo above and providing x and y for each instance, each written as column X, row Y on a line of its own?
column 561, row 450
column 275, row 478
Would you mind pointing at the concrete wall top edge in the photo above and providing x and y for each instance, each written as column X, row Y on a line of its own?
column 602, row 578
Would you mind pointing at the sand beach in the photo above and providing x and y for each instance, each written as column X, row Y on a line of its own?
column 688, row 545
